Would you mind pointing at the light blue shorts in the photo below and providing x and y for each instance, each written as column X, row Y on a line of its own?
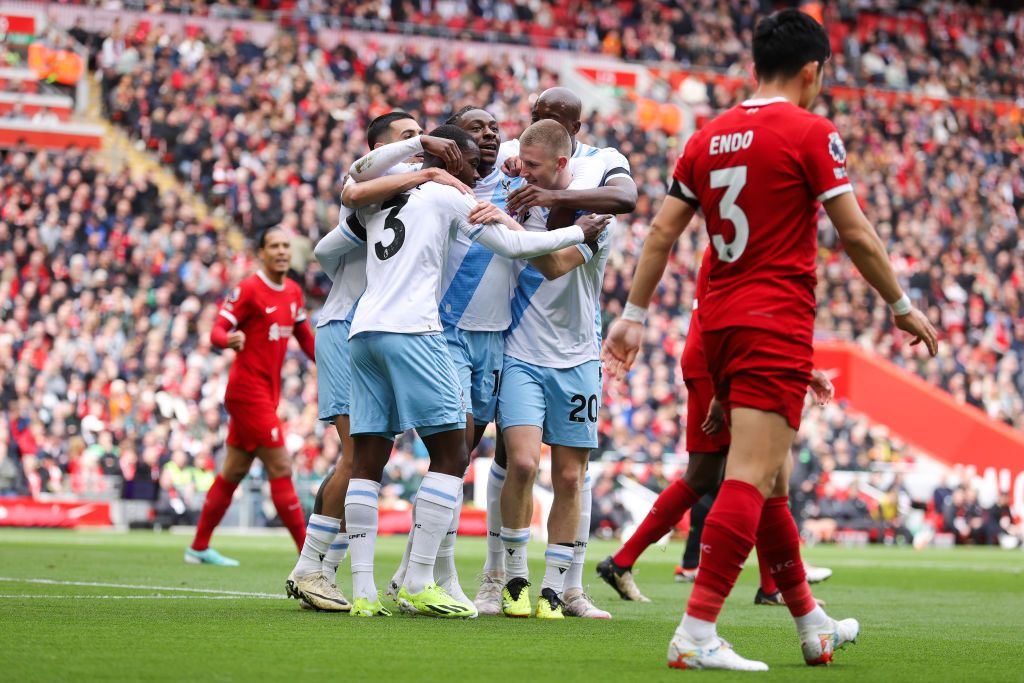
column 478, row 358
column 333, row 370
column 564, row 402
column 404, row 381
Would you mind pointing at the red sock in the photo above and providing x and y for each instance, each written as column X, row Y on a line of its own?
column 218, row 500
column 767, row 582
column 729, row 534
column 668, row 509
column 282, row 491
column 778, row 542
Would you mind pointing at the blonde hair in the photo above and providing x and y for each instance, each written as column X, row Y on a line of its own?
column 550, row 135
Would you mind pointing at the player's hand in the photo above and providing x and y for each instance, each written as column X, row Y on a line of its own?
column 443, row 177
column 593, row 225
column 236, row 340
column 529, row 196
column 715, row 421
column 916, row 325
column 446, row 150
column 485, row 212
column 513, row 166
column 821, row 387
column 621, row 346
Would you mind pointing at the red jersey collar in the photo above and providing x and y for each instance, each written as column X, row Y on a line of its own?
column 761, row 102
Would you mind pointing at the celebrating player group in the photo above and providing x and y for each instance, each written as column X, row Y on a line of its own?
column 466, row 275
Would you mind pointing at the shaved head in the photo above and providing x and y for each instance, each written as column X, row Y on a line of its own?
column 561, row 105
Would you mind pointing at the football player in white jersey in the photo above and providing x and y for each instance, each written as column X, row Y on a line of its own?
column 312, row 580
column 617, row 195
column 402, row 374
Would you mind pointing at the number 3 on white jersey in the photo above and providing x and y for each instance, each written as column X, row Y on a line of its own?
column 733, row 178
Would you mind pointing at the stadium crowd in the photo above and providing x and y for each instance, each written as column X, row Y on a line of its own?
column 110, row 303
column 938, row 48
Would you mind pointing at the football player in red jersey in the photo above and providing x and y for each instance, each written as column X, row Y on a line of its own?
column 256, row 321
column 760, row 172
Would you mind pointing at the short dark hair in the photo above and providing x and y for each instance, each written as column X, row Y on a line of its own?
column 261, row 236
column 453, row 120
column 448, row 132
column 786, row 41
column 378, row 128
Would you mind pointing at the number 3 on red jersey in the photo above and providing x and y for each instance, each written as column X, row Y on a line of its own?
column 733, row 178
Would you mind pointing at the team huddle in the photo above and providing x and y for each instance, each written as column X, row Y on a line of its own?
column 466, row 277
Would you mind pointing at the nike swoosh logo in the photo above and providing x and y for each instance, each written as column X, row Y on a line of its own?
column 271, row 309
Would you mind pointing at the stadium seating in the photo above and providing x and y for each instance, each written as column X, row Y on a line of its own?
column 265, row 133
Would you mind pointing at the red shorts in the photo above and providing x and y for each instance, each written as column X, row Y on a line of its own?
column 758, row 369
column 253, row 425
column 700, row 391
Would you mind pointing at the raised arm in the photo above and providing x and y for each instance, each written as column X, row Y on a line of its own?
column 378, row 161
column 379, row 190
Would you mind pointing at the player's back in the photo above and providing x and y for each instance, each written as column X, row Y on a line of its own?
column 407, row 242
column 758, row 172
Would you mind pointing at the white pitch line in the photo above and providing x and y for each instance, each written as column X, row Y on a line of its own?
column 130, row 586
column 55, row 596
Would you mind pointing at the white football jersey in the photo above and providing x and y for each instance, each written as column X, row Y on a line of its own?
column 477, row 282
column 555, row 323
column 404, row 266
column 348, row 270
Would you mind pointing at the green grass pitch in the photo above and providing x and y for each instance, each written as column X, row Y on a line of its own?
column 925, row 616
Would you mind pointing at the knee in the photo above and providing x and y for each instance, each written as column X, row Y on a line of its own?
column 278, row 468
column 567, row 477
column 521, row 467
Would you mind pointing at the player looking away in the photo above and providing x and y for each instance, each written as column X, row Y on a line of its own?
column 256, row 321
column 759, row 172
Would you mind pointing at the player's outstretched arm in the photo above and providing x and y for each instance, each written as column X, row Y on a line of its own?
column 868, row 253
column 496, row 235
column 378, row 161
column 618, row 195
column 379, row 190
column 556, row 264
column 623, row 341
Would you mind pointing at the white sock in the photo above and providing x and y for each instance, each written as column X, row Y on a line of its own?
column 574, row 577
column 816, row 618
column 557, row 560
column 361, row 522
column 399, row 578
column 320, row 534
column 514, row 542
column 444, row 568
column 495, row 549
column 435, row 503
column 696, row 629
column 334, row 557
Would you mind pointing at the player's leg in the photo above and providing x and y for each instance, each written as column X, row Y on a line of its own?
column 778, row 542
column 521, row 419
column 236, row 465
column 488, row 597
column 691, row 552
column 374, row 422
column 568, row 469
column 278, row 466
column 704, row 473
column 334, row 490
column 429, row 398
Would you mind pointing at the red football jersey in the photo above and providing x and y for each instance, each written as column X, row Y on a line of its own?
column 266, row 312
column 759, row 172
column 693, row 363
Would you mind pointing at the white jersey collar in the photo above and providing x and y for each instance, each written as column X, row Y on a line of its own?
column 268, row 282
column 761, row 101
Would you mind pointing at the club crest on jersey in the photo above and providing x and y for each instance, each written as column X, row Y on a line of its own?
column 836, row 149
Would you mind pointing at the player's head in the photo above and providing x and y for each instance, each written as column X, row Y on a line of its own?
column 483, row 128
column 470, row 153
column 790, row 45
column 391, row 127
column 561, row 105
column 274, row 249
column 544, row 149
